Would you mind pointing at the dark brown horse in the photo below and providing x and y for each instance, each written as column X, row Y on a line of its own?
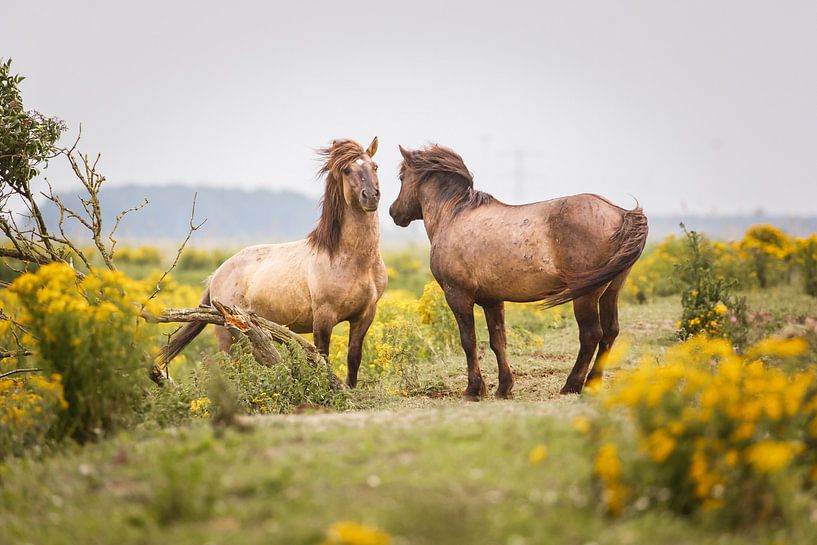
column 578, row 248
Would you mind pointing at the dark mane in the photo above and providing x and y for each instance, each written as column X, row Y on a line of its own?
column 338, row 156
column 456, row 188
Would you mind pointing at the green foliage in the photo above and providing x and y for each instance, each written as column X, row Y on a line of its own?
column 293, row 383
column 653, row 275
column 185, row 487
column 226, row 386
column 807, row 255
column 145, row 256
column 705, row 299
column 194, row 259
column 27, row 138
column 408, row 269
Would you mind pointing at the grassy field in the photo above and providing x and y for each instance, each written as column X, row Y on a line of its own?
column 425, row 469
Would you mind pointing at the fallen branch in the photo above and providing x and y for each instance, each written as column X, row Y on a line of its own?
column 262, row 333
column 15, row 371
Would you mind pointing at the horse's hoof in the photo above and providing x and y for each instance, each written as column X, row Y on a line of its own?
column 568, row 389
column 471, row 396
column 503, row 395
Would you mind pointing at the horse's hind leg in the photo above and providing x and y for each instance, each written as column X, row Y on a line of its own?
column 224, row 339
column 586, row 311
column 495, row 318
column 608, row 313
column 463, row 308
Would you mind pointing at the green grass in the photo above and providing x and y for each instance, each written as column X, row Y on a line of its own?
column 427, row 469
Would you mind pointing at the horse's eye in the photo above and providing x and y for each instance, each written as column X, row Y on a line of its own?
column 347, row 170
column 375, row 166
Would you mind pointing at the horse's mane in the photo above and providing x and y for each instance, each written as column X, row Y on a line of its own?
column 456, row 188
column 338, row 156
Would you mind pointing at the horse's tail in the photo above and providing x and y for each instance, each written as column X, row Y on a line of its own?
column 628, row 240
column 183, row 337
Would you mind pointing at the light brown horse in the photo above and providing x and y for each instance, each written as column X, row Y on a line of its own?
column 334, row 275
column 486, row 252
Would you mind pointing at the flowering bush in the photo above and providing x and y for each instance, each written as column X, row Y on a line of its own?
column 807, row 256
column 714, row 430
column 89, row 332
column 769, row 251
column 706, row 300
column 28, row 408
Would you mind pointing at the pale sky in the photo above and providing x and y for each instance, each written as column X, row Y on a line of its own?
column 700, row 106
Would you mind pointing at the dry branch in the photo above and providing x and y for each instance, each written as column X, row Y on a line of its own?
column 262, row 333
column 15, row 371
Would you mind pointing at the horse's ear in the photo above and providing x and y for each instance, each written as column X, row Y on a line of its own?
column 372, row 149
column 405, row 153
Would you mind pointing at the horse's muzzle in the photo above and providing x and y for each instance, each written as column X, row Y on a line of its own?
column 370, row 205
column 399, row 221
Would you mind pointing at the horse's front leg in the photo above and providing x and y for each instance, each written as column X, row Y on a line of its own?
column 495, row 318
column 462, row 306
column 357, row 333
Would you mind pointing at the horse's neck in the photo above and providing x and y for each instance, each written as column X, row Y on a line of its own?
column 360, row 234
column 434, row 213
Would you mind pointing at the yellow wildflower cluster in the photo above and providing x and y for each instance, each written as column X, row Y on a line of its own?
column 21, row 400
column 139, row 255
column 768, row 240
column 89, row 331
column 710, row 320
column 435, row 313
column 607, row 466
column 353, row 533
column 28, row 406
column 763, row 257
column 711, row 424
column 200, row 406
column 264, row 402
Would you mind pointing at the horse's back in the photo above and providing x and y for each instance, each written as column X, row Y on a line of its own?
column 270, row 280
column 522, row 252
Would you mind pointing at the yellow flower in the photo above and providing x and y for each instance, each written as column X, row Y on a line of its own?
column 770, row 456
column 199, row 406
column 660, row 446
column 720, row 309
column 607, row 465
column 538, row 454
column 352, row 533
column 581, row 424
column 783, row 348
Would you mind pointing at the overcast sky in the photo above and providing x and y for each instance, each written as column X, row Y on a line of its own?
column 703, row 106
